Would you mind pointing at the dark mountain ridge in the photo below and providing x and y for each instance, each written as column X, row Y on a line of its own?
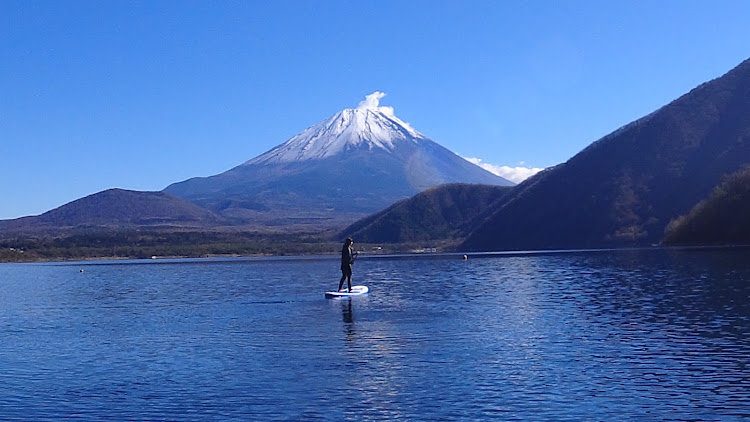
column 117, row 209
column 623, row 189
column 439, row 213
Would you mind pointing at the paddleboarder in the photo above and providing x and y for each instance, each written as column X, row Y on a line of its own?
column 347, row 259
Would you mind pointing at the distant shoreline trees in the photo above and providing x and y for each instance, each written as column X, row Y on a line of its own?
column 142, row 245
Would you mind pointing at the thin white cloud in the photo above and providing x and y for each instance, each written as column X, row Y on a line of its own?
column 514, row 174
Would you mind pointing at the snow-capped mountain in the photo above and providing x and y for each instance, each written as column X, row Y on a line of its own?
column 354, row 163
column 367, row 125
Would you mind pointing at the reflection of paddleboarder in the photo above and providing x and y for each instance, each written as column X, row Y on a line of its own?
column 347, row 259
column 346, row 312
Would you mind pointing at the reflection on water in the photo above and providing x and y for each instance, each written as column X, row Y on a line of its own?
column 610, row 335
column 346, row 310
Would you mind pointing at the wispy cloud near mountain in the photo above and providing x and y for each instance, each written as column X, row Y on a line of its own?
column 514, row 174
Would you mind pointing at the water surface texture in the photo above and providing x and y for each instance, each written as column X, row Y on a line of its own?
column 606, row 335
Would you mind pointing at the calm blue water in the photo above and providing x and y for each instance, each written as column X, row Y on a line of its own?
column 628, row 335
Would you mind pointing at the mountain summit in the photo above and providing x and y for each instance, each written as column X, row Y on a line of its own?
column 352, row 164
column 369, row 125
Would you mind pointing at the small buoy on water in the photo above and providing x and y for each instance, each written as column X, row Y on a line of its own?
column 80, row 271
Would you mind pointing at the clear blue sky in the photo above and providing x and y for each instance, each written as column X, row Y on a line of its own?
column 140, row 94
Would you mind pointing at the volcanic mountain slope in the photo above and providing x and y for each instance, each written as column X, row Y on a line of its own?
column 623, row 189
column 357, row 162
column 444, row 212
column 116, row 209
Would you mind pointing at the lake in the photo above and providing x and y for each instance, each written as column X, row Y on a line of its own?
column 588, row 335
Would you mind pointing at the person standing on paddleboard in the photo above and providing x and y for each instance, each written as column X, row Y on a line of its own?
column 347, row 259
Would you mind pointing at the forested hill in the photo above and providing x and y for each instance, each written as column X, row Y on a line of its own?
column 721, row 219
column 444, row 212
column 117, row 208
column 625, row 188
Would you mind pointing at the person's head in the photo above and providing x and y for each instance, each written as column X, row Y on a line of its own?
column 348, row 241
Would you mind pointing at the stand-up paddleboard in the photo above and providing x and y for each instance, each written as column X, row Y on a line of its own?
column 356, row 291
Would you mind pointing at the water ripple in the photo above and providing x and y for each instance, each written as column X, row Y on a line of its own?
column 644, row 335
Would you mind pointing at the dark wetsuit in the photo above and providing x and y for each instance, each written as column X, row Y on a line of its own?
column 347, row 259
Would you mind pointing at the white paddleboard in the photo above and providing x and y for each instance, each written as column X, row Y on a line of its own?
column 356, row 291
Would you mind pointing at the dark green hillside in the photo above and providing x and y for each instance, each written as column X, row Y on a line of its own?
column 721, row 219
column 623, row 189
column 443, row 212
column 115, row 208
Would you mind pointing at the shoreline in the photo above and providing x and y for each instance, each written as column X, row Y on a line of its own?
column 381, row 254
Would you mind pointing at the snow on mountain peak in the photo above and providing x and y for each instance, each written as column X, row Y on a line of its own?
column 368, row 124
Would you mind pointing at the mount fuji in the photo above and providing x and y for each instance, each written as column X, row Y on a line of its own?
column 352, row 164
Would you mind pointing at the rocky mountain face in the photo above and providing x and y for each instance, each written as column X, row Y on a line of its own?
column 625, row 188
column 357, row 162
